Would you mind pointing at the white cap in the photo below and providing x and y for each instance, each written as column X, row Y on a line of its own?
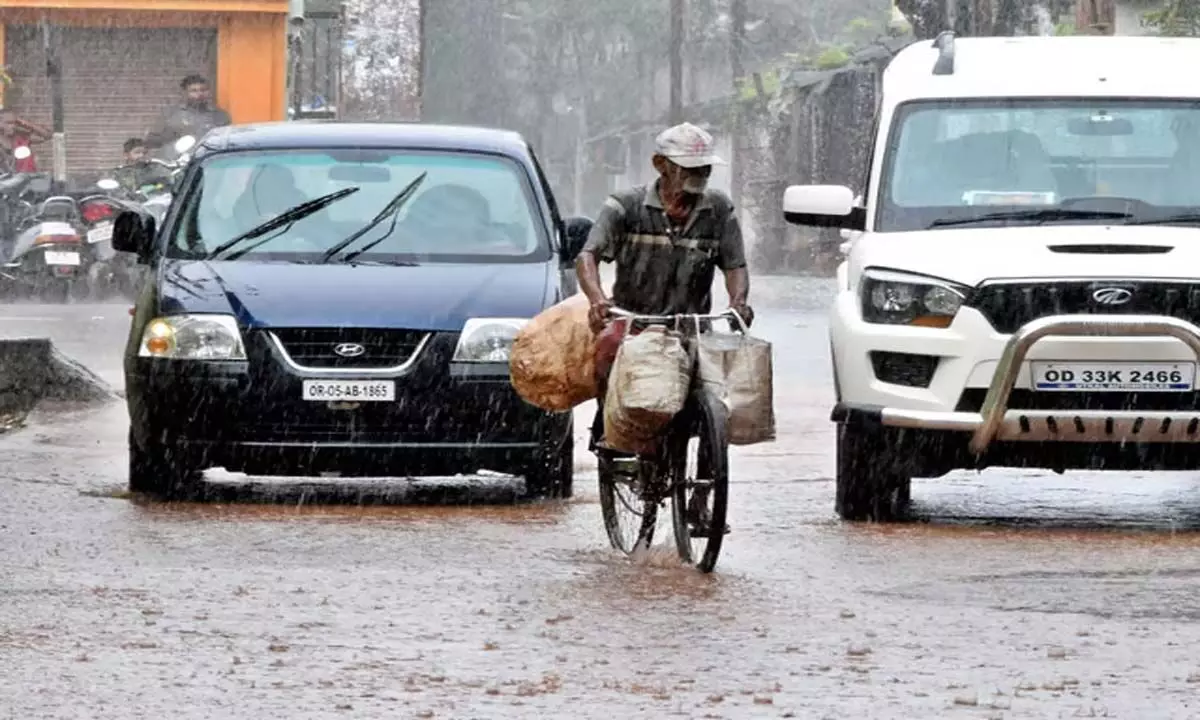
column 687, row 146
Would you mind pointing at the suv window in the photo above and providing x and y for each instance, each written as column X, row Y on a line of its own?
column 951, row 160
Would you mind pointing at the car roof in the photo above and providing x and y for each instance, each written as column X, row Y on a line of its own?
column 1047, row 66
column 323, row 134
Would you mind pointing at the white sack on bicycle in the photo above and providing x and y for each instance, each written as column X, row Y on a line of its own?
column 738, row 369
column 648, row 386
column 553, row 359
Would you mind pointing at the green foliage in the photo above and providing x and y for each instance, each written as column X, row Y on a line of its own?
column 1065, row 28
column 1176, row 18
column 832, row 58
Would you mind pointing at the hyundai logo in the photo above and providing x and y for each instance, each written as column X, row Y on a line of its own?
column 1112, row 296
column 349, row 350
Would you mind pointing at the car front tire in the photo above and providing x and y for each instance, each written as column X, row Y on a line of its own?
column 160, row 471
column 870, row 485
column 552, row 473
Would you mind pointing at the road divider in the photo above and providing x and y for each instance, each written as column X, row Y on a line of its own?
column 33, row 370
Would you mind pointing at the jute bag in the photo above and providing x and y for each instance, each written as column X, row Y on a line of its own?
column 648, row 387
column 737, row 367
column 553, row 358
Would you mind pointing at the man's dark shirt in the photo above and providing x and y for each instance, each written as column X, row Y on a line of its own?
column 663, row 269
column 185, row 120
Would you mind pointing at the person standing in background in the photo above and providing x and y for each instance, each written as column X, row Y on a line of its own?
column 196, row 116
column 16, row 133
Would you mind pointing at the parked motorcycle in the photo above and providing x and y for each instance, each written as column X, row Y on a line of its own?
column 43, row 253
column 117, row 272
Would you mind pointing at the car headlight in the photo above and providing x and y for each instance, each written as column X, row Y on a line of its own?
column 193, row 337
column 487, row 340
column 896, row 298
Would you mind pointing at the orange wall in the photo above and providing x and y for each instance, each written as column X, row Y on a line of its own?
column 221, row 6
column 251, row 45
column 252, row 67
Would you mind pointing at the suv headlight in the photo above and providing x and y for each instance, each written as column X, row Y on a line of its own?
column 896, row 298
column 487, row 340
column 193, row 337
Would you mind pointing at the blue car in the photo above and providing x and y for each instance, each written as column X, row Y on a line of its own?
column 342, row 298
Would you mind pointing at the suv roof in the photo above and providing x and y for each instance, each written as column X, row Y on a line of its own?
column 1071, row 66
column 322, row 134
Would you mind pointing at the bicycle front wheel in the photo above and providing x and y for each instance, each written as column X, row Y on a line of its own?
column 700, row 483
column 628, row 504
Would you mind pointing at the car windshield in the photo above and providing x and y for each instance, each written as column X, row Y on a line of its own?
column 966, row 163
column 470, row 207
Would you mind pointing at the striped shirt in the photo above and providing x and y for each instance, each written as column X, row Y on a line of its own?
column 663, row 269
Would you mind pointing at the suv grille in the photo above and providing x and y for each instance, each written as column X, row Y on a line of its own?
column 318, row 347
column 1008, row 306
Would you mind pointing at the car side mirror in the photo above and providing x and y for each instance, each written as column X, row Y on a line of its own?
column 823, row 206
column 577, row 231
column 133, row 232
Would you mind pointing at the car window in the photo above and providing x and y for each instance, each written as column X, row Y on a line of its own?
column 469, row 206
column 945, row 158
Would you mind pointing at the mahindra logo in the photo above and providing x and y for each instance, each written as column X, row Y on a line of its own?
column 349, row 350
column 1112, row 296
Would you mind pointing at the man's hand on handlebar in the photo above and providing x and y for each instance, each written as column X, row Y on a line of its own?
column 599, row 314
column 745, row 312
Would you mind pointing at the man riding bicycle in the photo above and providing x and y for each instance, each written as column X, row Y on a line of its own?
column 667, row 239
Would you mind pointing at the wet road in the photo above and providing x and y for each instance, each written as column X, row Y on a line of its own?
column 1021, row 596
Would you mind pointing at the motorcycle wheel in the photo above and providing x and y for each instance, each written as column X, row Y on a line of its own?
column 56, row 291
column 99, row 283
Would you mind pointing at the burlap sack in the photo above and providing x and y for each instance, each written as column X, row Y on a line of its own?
column 648, row 386
column 553, row 358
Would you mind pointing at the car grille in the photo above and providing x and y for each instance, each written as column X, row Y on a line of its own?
column 1008, row 306
column 318, row 347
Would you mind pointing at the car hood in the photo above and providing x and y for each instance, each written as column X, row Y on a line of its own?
column 426, row 297
column 970, row 256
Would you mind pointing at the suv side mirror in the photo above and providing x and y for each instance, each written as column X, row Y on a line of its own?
column 577, row 231
column 133, row 232
column 823, row 206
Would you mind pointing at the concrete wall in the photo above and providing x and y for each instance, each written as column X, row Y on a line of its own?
column 823, row 135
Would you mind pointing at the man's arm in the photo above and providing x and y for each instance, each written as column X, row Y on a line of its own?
column 601, row 245
column 37, row 133
column 731, row 258
column 160, row 134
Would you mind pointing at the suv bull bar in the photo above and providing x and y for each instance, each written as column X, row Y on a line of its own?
column 995, row 421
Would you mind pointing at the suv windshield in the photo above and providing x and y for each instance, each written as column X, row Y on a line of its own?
column 469, row 208
column 967, row 163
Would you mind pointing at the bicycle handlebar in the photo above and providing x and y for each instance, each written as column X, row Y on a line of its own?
column 731, row 315
column 618, row 312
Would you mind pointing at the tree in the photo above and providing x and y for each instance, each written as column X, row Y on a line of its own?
column 381, row 59
column 1176, row 18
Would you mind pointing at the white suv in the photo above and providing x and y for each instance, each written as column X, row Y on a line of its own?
column 1023, row 273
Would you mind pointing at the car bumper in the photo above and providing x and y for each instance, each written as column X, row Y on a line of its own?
column 996, row 422
column 446, row 418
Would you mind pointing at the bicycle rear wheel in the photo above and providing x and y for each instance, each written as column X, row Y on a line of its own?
column 700, row 482
column 628, row 505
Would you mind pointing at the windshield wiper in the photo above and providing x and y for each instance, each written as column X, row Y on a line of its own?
column 1043, row 215
column 391, row 208
column 1184, row 217
column 280, row 222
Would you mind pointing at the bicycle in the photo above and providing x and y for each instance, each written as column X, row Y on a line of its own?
column 667, row 470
